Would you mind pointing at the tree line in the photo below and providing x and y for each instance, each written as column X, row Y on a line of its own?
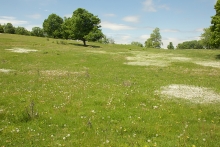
column 85, row 26
column 82, row 25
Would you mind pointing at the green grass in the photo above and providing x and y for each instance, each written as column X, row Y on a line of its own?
column 87, row 98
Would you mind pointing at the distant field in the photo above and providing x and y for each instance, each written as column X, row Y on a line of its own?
column 59, row 93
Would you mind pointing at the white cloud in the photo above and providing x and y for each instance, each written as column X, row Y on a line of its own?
column 134, row 19
column 115, row 27
column 68, row 15
column 12, row 20
column 34, row 16
column 149, row 6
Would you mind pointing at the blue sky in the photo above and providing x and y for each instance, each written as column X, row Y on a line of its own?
column 123, row 20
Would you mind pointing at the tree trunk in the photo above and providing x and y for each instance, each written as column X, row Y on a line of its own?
column 84, row 42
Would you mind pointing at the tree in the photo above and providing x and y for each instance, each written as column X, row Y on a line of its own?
column 37, row 31
column 84, row 26
column 1, row 29
column 215, row 27
column 170, row 46
column 194, row 44
column 206, row 38
column 149, row 43
column 21, row 31
column 155, row 39
column 9, row 28
column 53, row 26
column 137, row 43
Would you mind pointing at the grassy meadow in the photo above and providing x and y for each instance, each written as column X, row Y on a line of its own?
column 65, row 94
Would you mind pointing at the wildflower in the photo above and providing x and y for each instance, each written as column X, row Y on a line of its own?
column 148, row 140
column 64, row 138
column 155, row 107
column 51, row 136
column 204, row 139
column 134, row 135
column 107, row 141
column 68, row 135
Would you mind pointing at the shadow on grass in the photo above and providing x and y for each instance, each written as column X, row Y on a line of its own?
column 92, row 46
column 217, row 57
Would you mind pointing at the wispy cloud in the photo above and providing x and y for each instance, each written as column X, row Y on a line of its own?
column 151, row 7
column 12, row 20
column 115, row 27
column 134, row 19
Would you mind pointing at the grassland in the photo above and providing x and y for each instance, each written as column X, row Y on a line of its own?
column 65, row 94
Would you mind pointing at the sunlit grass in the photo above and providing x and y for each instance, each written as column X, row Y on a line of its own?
column 88, row 96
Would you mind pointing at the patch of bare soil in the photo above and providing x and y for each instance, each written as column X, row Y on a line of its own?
column 21, row 50
column 148, row 59
column 191, row 93
column 209, row 63
column 6, row 70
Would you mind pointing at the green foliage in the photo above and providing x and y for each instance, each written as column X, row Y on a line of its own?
column 137, row 43
column 215, row 27
column 155, row 39
column 170, row 46
column 106, row 40
column 21, row 31
column 1, row 29
column 9, row 28
column 194, row 44
column 84, row 26
column 206, row 38
column 53, row 26
column 37, row 31
column 149, row 43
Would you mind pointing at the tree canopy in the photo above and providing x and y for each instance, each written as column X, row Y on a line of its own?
column 170, row 46
column 53, row 26
column 83, row 25
column 1, row 29
column 215, row 27
column 206, row 38
column 37, row 31
column 137, row 43
column 194, row 44
column 21, row 31
column 9, row 28
column 155, row 39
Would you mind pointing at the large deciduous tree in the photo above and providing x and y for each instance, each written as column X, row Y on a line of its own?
column 53, row 26
column 84, row 26
column 215, row 27
column 155, row 39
